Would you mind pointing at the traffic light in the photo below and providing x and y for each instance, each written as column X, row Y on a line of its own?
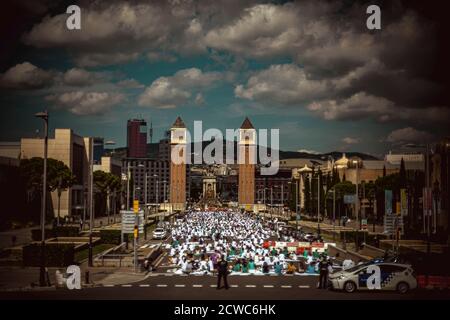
column 136, row 231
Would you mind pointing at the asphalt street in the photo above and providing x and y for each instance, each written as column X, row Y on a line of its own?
column 174, row 287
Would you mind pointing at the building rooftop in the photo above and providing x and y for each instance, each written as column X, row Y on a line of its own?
column 247, row 124
column 178, row 123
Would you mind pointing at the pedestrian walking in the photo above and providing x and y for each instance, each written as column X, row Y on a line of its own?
column 222, row 268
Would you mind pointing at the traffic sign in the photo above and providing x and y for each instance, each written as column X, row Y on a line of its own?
column 364, row 224
column 129, row 221
column 349, row 198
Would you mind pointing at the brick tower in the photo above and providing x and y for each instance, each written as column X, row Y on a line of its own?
column 178, row 165
column 247, row 161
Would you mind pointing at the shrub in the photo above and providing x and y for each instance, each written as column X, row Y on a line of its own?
column 113, row 236
column 36, row 234
column 66, row 231
column 56, row 255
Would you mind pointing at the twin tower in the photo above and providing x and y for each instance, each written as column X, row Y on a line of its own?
column 246, row 143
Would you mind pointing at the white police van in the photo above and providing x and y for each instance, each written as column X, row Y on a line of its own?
column 392, row 276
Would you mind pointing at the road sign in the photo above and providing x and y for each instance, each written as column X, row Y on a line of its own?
column 349, row 198
column 129, row 221
column 135, row 206
column 392, row 223
column 364, row 224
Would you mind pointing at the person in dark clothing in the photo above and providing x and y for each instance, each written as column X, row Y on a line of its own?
column 323, row 275
column 222, row 268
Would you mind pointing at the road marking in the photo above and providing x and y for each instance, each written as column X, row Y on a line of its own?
column 234, row 286
column 268, row 286
column 127, row 285
column 180, row 285
column 109, row 285
column 161, row 285
column 250, row 286
column 304, row 287
column 168, row 274
column 197, row 285
column 213, row 285
column 144, row 285
column 286, row 287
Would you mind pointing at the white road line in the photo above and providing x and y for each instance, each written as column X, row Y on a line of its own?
column 144, row 285
column 304, row 287
column 286, row 287
column 180, row 285
column 250, row 286
column 213, row 285
column 161, row 285
column 127, row 285
column 197, row 285
column 109, row 285
column 268, row 286
column 234, row 286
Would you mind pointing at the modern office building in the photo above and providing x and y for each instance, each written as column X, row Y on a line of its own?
column 71, row 149
column 136, row 138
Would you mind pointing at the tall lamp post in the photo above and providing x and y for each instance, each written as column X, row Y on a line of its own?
column 43, row 116
column 91, row 202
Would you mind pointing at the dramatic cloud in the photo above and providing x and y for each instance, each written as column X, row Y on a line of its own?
column 130, row 84
column 285, row 84
column 170, row 92
column 408, row 135
column 308, row 151
column 86, row 103
column 26, row 76
column 80, row 77
column 350, row 140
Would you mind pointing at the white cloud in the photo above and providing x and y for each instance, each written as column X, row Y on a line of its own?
column 26, row 76
column 350, row 140
column 170, row 92
column 308, row 151
column 130, row 84
column 285, row 84
column 199, row 99
column 86, row 103
column 80, row 77
column 408, row 135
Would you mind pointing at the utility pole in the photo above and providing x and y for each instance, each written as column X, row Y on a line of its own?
column 128, row 184
column 334, row 213
column 318, row 204
column 296, row 205
column 145, row 208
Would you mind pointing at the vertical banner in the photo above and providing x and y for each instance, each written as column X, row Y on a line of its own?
column 387, row 202
column 403, row 202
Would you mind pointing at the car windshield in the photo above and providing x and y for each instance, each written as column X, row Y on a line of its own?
column 355, row 268
column 159, row 230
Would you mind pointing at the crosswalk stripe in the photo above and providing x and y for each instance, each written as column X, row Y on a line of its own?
column 212, row 285
column 126, row 285
column 250, row 286
column 161, row 285
column 304, row 287
column 197, row 285
column 109, row 285
column 268, row 286
column 144, row 285
column 180, row 285
column 286, row 287
column 234, row 286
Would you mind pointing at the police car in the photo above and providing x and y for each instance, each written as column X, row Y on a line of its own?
column 393, row 276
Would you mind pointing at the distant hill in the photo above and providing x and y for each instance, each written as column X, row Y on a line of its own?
column 152, row 152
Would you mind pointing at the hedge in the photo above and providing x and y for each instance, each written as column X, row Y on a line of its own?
column 61, row 231
column 113, row 236
column 56, row 255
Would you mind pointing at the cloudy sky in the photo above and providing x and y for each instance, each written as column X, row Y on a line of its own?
column 310, row 68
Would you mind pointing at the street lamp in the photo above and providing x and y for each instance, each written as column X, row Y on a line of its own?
column 43, row 116
column 356, row 163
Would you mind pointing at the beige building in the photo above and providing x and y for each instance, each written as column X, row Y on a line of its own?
column 178, row 142
column 71, row 149
column 247, row 160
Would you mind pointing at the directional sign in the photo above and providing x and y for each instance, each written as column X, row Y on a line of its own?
column 129, row 221
column 349, row 198
column 393, row 222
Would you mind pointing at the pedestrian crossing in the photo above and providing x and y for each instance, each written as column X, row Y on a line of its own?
column 163, row 285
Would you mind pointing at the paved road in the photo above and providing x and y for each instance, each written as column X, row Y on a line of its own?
column 164, row 287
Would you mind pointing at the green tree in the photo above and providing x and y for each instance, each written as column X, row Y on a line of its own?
column 105, row 184
column 59, row 176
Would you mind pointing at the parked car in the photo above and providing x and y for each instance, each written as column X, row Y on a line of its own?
column 159, row 233
column 393, row 276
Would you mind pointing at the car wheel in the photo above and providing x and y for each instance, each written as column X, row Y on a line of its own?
column 402, row 287
column 350, row 287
